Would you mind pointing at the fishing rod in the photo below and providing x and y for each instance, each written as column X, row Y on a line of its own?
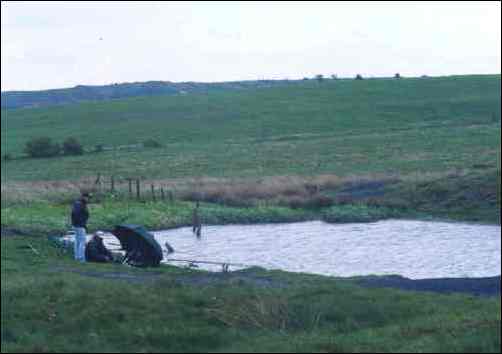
column 224, row 265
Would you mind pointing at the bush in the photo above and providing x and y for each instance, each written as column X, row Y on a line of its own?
column 7, row 157
column 42, row 147
column 71, row 146
column 359, row 77
column 152, row 143
column 397, row 76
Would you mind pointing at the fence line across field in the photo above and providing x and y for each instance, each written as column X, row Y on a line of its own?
column 132, row 186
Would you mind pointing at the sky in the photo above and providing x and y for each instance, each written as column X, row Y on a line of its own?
column 48, row 45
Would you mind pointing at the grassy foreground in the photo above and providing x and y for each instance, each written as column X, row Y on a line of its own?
column 87, row 308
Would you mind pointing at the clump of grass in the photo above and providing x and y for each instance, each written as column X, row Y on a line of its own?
column 253, row 312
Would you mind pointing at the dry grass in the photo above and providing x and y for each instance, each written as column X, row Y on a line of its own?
column 293, row 191
column 257, row 312
column 286, row 190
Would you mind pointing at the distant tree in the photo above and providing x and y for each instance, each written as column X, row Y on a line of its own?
column 42, row 147
column 319, row 78
column 334, row 77
column 359, row 77
column 397, row 76
column 152, row 143
column 71, row 146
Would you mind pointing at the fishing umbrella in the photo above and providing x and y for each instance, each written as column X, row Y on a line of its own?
column 141, row 247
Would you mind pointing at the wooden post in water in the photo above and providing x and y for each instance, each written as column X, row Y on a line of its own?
column 130, row 187
column 98, row 182
column 138, row 193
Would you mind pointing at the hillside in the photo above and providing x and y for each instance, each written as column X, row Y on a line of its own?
column 82, row 93
column 341, row 127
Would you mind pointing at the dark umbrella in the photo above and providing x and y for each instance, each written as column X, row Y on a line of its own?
column 140, row 245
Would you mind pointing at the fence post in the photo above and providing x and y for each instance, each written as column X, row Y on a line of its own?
column 98, row 182
column 138, row 193
column 162, row 195
column 153, row 192
column 130, row 187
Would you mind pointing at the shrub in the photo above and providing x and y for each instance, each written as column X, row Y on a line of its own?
column 42, row 147
column 71, row 146
column 152, row 143
column 397, row 76
column 7, row 157
column 359, row 77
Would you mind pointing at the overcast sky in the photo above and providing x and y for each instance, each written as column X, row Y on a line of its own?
column 63, row 44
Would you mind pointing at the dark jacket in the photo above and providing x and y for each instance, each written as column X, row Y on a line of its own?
column 95, row 251
column 79, row 213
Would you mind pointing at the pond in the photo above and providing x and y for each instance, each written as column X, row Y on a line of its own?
column 414, row 249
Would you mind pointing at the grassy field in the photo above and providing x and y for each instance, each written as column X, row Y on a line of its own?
column 439, row 138
column 338, row 150
column 51, row 304
column 341, row 127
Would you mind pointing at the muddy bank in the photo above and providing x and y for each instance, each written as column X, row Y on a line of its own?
column 257, row 277
column 486, row 287
column 489, row 286
column 10, row 231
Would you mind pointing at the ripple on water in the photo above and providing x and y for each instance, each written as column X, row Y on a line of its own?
column 414, row 249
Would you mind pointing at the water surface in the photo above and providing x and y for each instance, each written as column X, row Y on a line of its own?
column 414, row 249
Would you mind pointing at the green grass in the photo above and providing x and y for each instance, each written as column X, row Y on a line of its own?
column 439, row 138
column 342, row 127
column 49, row 305
column 44, row 218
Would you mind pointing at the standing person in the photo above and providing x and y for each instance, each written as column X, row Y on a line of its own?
column 197, row 226
column 79, row 217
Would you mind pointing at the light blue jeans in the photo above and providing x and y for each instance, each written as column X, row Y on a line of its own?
column 79, row 246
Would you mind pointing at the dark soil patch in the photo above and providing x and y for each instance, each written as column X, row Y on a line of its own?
column 241, row 277
column 485, row 287
column 130, row 277
column 475, row 286
column 10, row 232
column 366, row 189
